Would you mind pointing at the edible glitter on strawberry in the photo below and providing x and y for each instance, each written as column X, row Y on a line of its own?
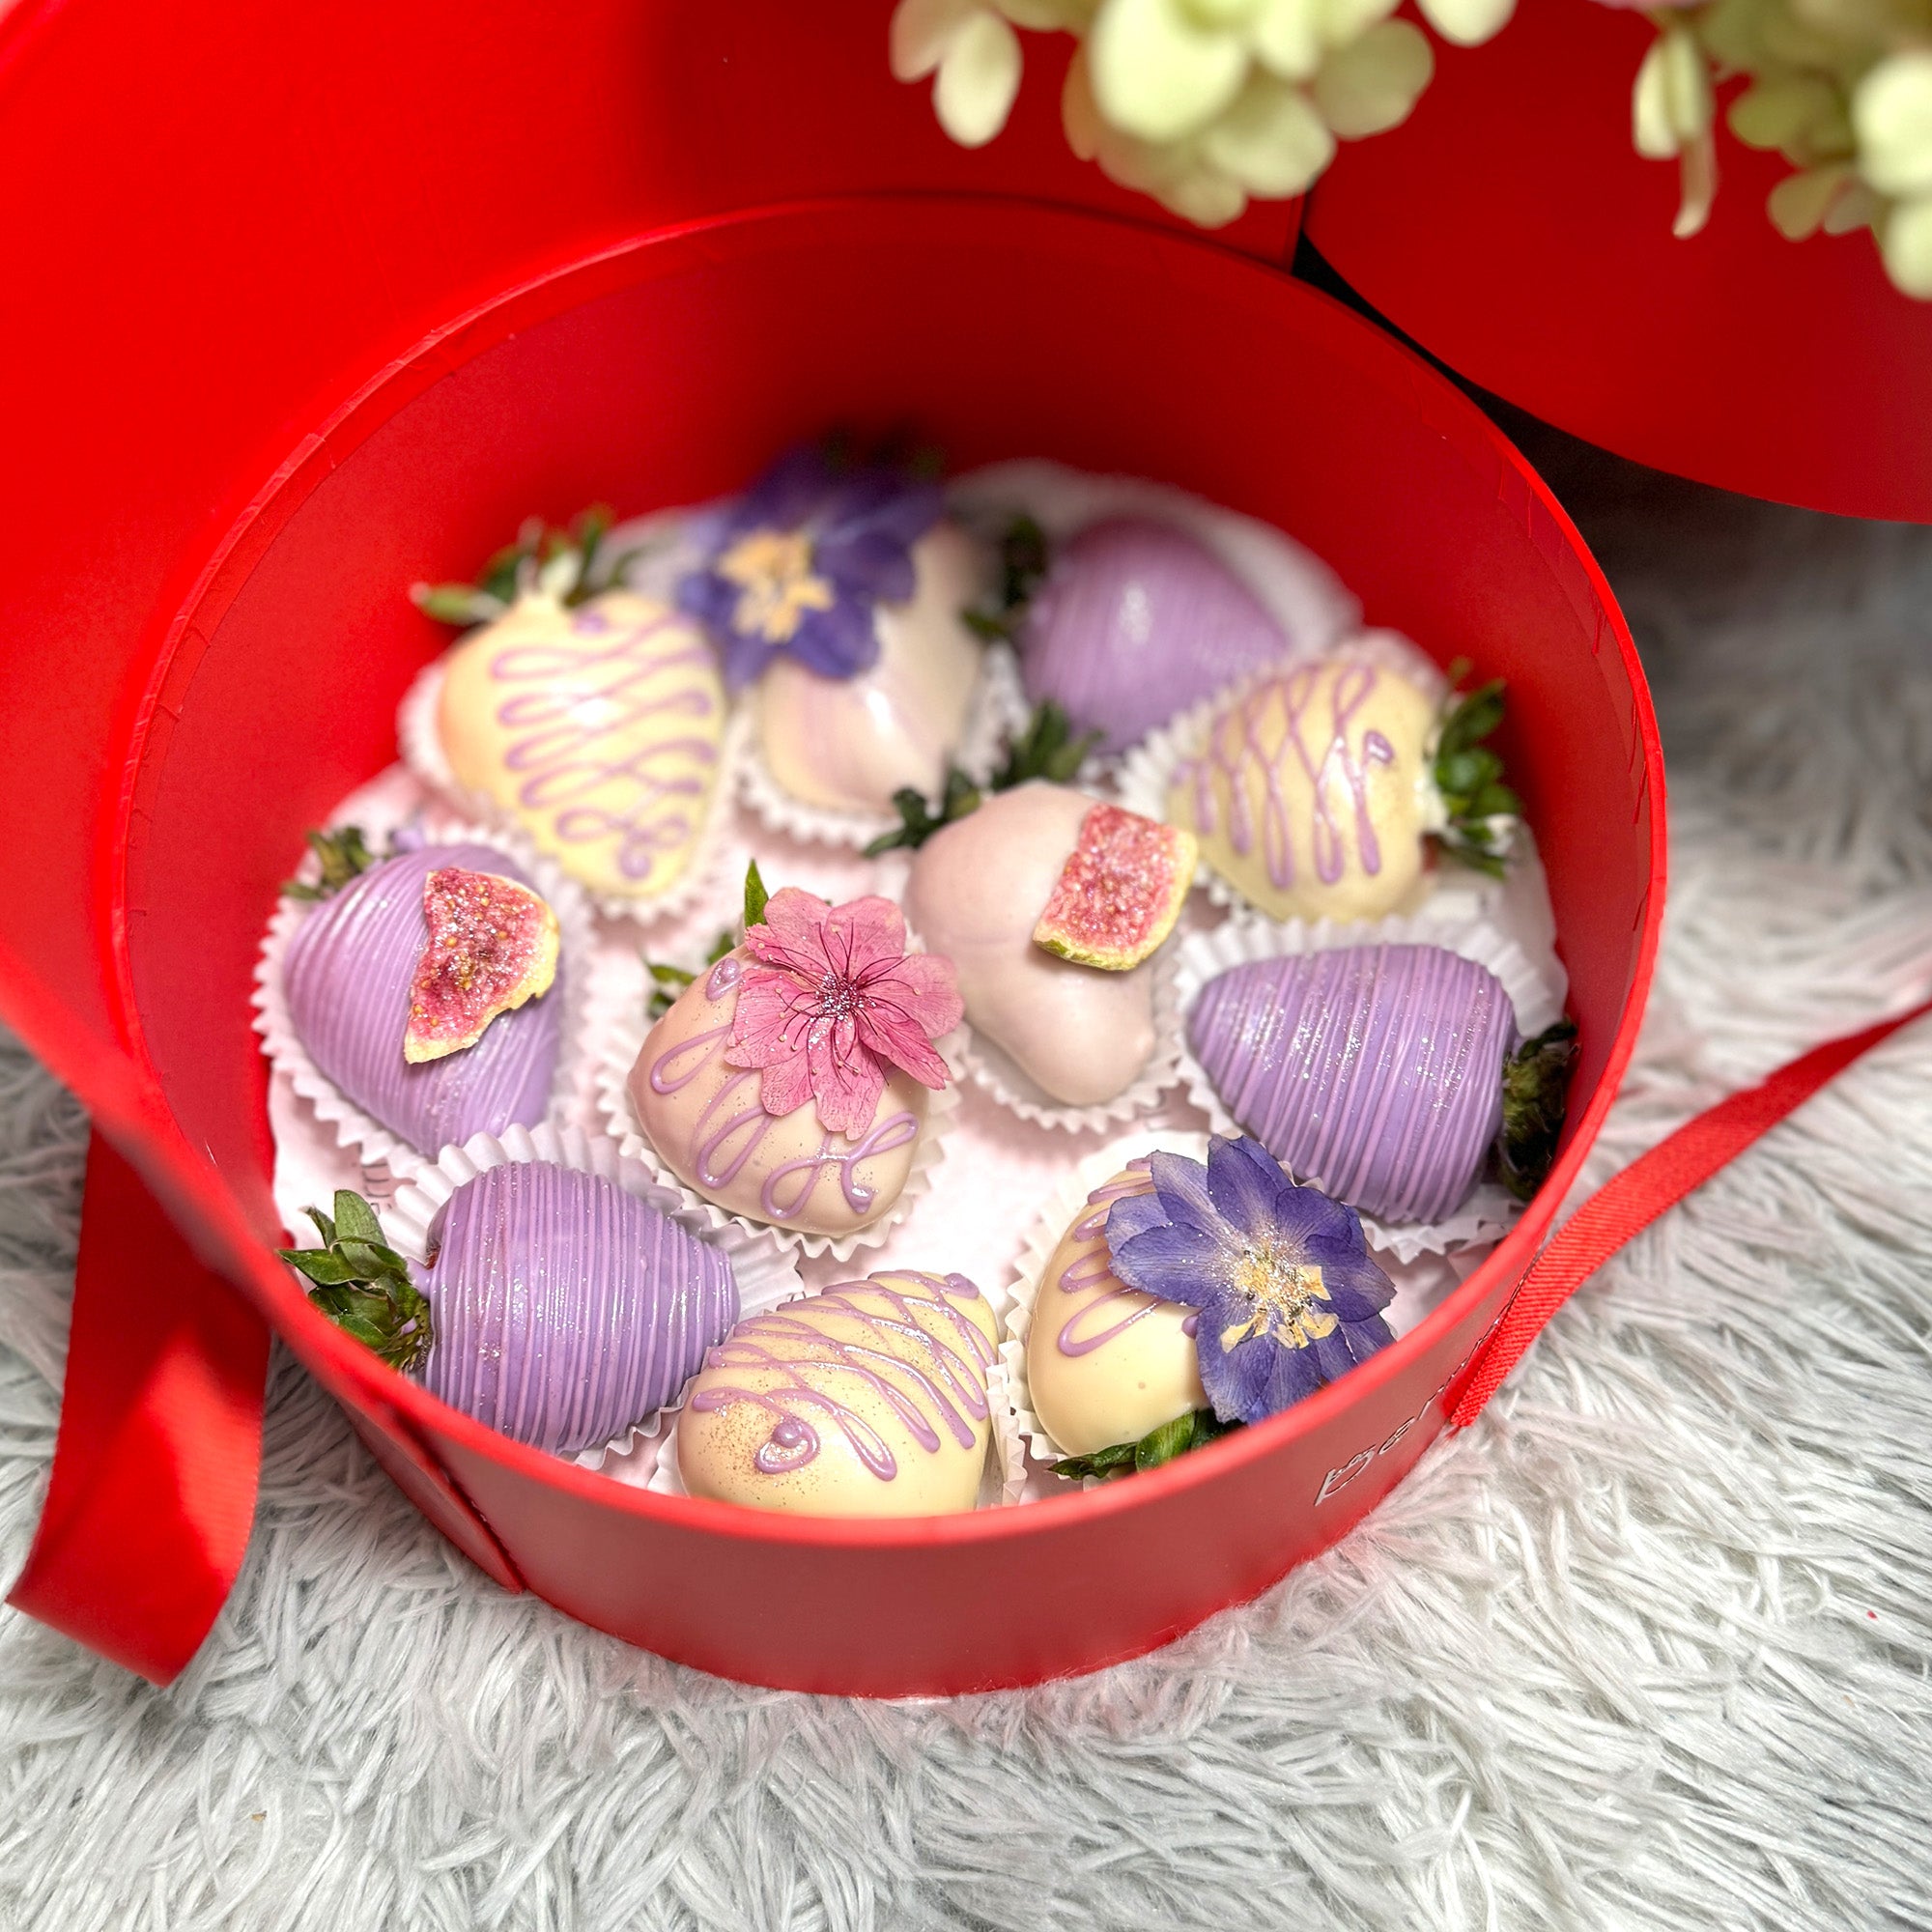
column 492, row 946
column 1120, row 893
column 832, row 999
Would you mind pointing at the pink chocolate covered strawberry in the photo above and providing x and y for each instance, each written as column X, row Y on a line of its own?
column 1050, row 906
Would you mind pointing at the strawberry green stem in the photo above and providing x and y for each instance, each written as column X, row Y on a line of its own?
column 363, row 1284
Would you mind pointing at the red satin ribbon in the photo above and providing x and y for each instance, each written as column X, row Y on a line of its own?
column 1623, row 1208
column 152, row 1490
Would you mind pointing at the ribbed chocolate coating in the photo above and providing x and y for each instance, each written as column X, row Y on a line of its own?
column 1374, row 1072
column 1137, row 621
column 347, row 973
column 564, row 1308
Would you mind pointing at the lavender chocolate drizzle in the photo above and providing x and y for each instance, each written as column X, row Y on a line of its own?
column 1319, row 747
column 1078, row 1334
column 347, row 977
column 1373, row 1071
column 576, row 745
column 565, row 1309
column 943, row 1386
column 734, row 1125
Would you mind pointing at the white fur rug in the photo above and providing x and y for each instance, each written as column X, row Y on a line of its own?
column 1651, row 1646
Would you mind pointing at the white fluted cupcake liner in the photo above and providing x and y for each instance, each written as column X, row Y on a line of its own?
column 1536, row 986
column 765, row 1272
column 668, row 1476
column 367, row 1137
column 420, row 744
column 1005, row 1478
column 1000, row 1487
column 995, row 1071
column 1146, row 773
column 621, row 1030
column 998, row 711
column 1068, row 1202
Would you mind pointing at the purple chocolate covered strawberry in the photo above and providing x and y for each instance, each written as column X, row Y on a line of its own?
column 426, row 989
column 556, row 1307
column 1136, row 621
column 1384, row 1074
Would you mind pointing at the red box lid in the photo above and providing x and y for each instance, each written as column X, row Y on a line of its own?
column 1510, row 228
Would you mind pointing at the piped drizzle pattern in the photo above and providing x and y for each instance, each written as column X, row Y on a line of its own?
column 734, row 1125
column 1093, row 1323
column 1321, row 751
column 928, row 1383
column 574, row 743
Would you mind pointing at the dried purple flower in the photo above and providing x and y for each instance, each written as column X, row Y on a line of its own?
column 1289, row 1295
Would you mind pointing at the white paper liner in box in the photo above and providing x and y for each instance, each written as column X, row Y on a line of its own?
column 765, row 1272
column 998, row 712
column 1067, row 1204
column 360, row 1131
column 1537, row 986
column 1001, row 1484
column 1147, row 772
column 995, row 1071
column 420, row 743
column 621, row 1030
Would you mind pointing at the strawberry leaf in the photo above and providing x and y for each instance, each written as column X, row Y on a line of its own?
column 559, row 563
column 365, row 1285
column 1160, row 1444
column 1046, row 748
column 1536, row 1095
column 341, row 855
column 1481, row 810
column 1023, row 561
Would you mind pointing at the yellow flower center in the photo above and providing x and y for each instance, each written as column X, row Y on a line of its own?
column 773, row 569
column 1289, row 1298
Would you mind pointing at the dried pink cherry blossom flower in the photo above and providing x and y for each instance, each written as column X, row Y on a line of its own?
column 833, row 996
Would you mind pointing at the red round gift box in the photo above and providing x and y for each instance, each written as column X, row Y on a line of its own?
column 342, row 335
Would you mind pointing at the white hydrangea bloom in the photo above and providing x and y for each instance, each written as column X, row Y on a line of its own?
column 1271, row 140
column 1891, row 116
column 1842, row 88
column 1200, row 103
column 1905, row 240
column 1468, row 23
column 1203, row 103
column 1673, row 102
column 1673, row 108
column 971, row 48
column 1370, row 84
column 1161, row 71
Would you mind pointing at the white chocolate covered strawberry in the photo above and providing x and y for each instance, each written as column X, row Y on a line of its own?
column 593, row 722
column 837, row 588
